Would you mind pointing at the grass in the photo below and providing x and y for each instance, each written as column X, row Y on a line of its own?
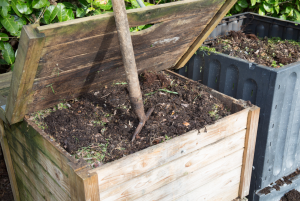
column 214, row 112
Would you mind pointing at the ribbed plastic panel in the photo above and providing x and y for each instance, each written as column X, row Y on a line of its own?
column 275, row 91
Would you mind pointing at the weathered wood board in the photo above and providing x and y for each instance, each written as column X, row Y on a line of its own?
column 207, row 164
column 61, row 61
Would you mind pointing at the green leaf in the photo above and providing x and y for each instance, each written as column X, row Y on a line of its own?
column 253, row 2
column 1, row 45
column 271, row 1
column 103, row 4
column 277, row 9
column 8, row 53
column 80, row 12
column 243, row 3
column 297, row 15
column 84, row 3
column 148, row 4
column 97, row 12
column 4, row 3
column 283, row 17
column 261, row 10
column 23, row 7
column 10, row 25
column 4, row 11
column 12, row 67
column 69, row 5
column 134, row 4
column 21, row 21
column 4, row 37
column 61, row 14
column 268, row 7
column 238, row 8
column 69, row 15
column 14, row 7
column 50, row 14
column 37, row 4
column 3, row 62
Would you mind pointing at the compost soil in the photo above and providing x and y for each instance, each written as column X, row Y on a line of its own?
column 293, row 195
column 280, row 182
column 269, row 52
column 99, row 126
column 5, row 188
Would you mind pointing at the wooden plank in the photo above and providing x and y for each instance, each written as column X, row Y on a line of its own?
column 2, row 108
column 205, row 33
column 228, row 194
column 96, row 25
column 27, row 180
column 37, row 188
column 252, row 125
column 74, row 83
column 44, row 171
column 176, row 169
column 30, row 47
column 104, row 48
column 5, row 80
column 8, row 162
column 203, row 183
column 24, row 193
column 122, row 170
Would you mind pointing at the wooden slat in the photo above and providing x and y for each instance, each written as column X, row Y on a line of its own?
column 122, row 170
column 2, row 108
column 96, row 25
column 252, row 125
column 5, row 80
column 37, row 188
column 24, row 193
column 74, row 83
column 174, row 170
column 207, row 31
column 45, row 171
column 228, row 194
column 105, row 48
column 203, row 183
column 30, row 47
column 207, row 192
column 8, row 162
column 27, row 180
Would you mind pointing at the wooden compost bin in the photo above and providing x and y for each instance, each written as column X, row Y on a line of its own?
column 61, row 61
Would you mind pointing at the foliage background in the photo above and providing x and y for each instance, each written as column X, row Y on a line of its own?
column 16, row 13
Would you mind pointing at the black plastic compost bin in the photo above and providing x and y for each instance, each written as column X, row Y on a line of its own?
column 275, row 91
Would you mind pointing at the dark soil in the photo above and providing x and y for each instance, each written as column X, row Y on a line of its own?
column 5, row 188
column 269, row 52
column 280, row 182
column 99, row 126
column 293, row 195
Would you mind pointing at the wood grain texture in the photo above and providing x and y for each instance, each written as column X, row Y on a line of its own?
column 8, row 162
column 203, row 183
column 122, row 170
column 44, row 171
column 5, row 80
column 205, row 33
column 29, row 49
column 37, row 188
column 176, row 169
column 96, row 25
column 105, row 48
column 252, row 125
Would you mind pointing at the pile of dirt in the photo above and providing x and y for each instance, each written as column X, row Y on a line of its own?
column 99, row 126
column 280, row 182
column 271, row 52
column 5, row 188
column 293, row 195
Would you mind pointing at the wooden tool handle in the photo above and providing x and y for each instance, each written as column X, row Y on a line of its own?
column 128, row 57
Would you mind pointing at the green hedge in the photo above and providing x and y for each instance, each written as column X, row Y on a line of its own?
column 283, row 9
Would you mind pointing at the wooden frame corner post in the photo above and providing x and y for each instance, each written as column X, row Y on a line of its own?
column 28, row 56
column 251, row 133
column 8, row 162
